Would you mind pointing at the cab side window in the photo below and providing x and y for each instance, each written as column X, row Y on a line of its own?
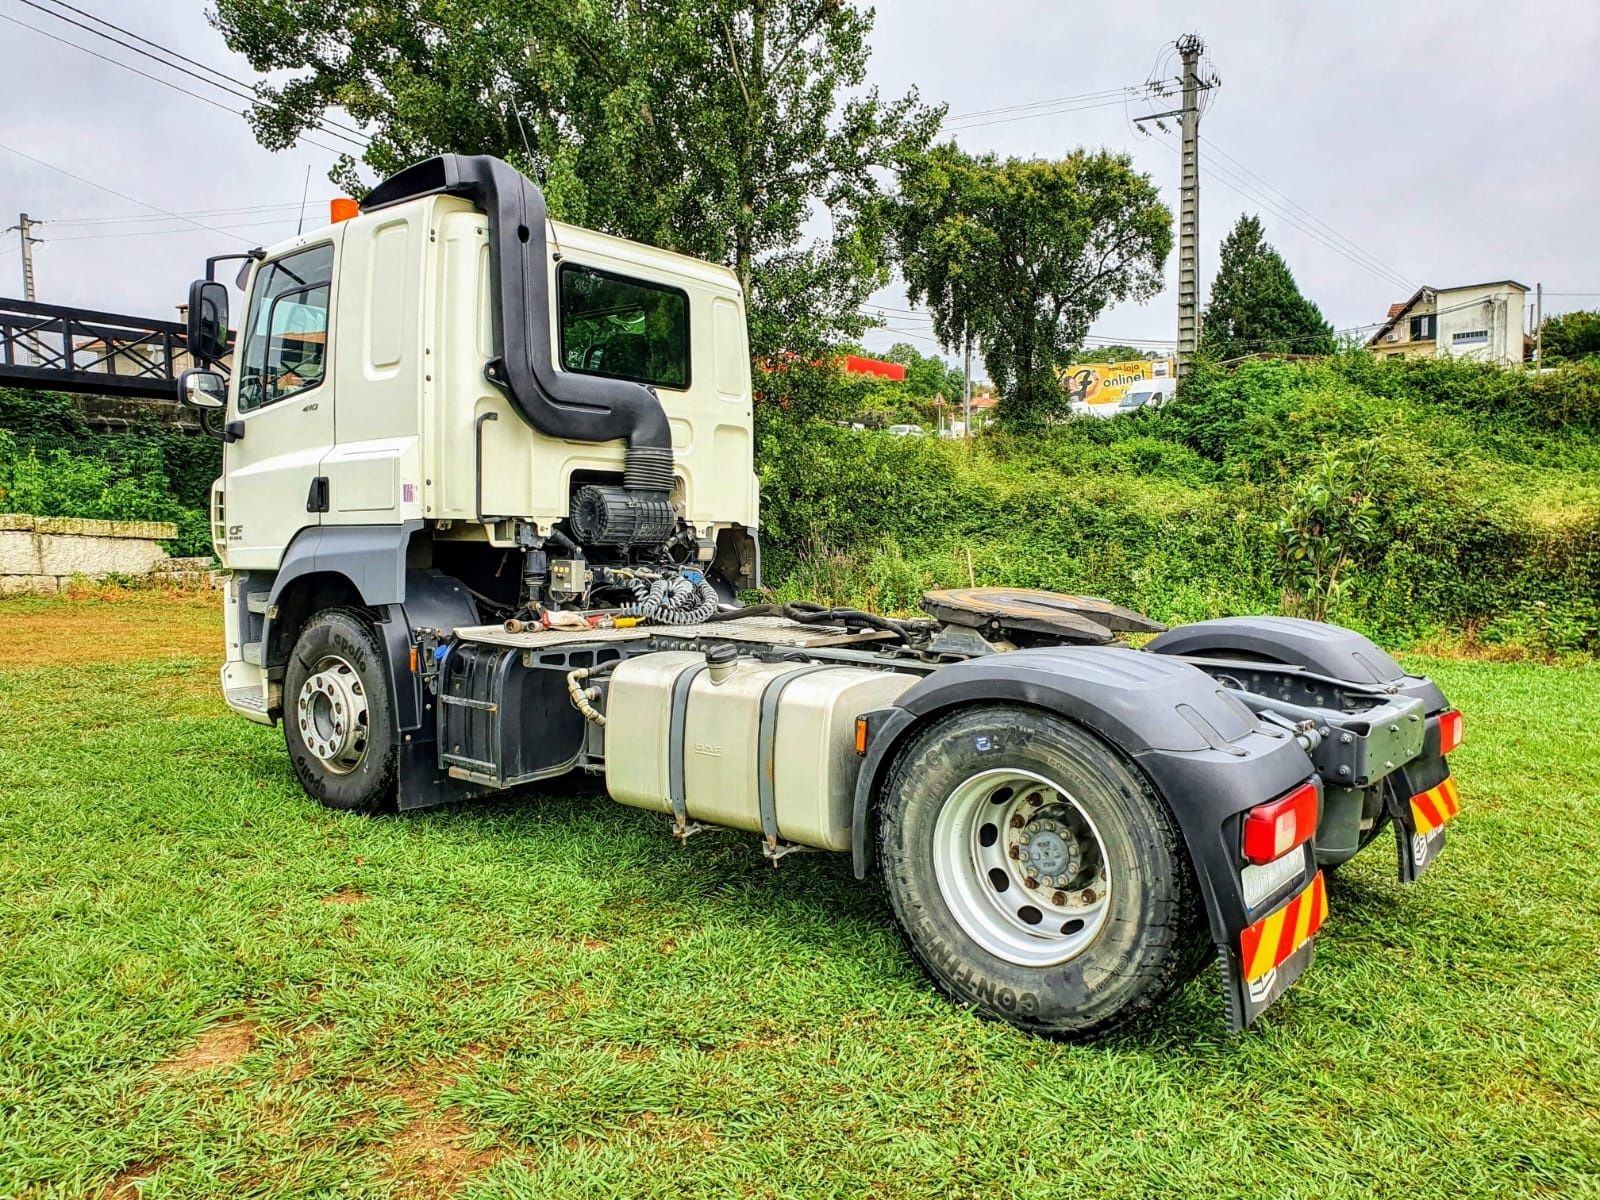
column 285, row 348
column 623, row 328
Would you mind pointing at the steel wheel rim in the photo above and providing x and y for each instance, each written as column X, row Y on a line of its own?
column 1021, row 867
column 332, row 715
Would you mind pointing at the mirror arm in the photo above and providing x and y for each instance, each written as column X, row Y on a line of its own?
column 228, row 433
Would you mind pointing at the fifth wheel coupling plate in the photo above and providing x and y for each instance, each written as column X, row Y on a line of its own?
column 1030, row 611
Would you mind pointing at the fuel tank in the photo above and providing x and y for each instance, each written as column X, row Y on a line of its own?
column 763, row 746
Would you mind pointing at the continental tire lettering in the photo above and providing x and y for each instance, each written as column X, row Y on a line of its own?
column 979, row 989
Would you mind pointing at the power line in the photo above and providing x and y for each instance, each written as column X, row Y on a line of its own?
column 232, row 86
column 1239, row 185
column 145, row 74
column 95, row 237
column 1049, row 112
column 109, row 191
column 290, row 207
column 989, row 112
column 167, row 83
column 184, row 62
column 1354, row 246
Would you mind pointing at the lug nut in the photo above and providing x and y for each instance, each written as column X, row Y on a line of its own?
column 1058, row 898
column 1089, row 896
column 1031, row 881
column 1017, row 822
column 1014, row 852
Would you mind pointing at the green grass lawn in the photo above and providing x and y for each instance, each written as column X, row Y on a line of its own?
column 211, row 987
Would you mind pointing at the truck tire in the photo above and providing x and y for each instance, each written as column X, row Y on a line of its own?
column 1036, row 874
column 338, row 718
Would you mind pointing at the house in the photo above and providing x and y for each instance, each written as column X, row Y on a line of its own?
column 1483, row 321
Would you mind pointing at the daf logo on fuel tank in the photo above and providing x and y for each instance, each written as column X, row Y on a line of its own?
column 709, row 749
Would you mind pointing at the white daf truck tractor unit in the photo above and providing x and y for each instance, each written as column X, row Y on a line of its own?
column 488, row 503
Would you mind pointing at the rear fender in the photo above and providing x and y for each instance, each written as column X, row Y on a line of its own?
column 1328, row 650
column 1207, row 754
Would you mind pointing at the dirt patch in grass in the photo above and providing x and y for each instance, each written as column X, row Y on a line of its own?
column 346, row 896
column 130, row 626
column 220, row 1046
column 432, row 1156
column 129, row 1182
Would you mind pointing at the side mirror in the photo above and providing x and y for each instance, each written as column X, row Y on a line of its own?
column 203, row 391
column 208, row 320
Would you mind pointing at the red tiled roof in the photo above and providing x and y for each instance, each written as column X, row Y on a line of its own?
column 1396, row 309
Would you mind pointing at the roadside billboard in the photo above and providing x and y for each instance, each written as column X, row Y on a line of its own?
column 1107, row 383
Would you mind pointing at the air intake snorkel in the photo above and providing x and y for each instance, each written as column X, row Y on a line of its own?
column 558, row 404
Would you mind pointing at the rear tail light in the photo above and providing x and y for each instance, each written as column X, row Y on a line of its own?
column 1449, row 731
column 1272, row 830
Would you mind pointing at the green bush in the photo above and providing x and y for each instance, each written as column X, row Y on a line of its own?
column 1484, row 492
column 53, row 464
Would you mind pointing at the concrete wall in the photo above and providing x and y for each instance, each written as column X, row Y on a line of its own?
column 43, row 554
column 1495, row 308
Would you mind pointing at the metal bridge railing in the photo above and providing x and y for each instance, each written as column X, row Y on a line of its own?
column 80, row 350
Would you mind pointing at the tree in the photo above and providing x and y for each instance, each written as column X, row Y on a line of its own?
column 1255, row 305
column 1025, row 253
column 1571, row 336
column 929, row 381
column 714, row 129
column 1109, row 354
column 927, row 375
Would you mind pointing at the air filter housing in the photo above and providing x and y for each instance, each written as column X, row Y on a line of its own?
column 619, row 516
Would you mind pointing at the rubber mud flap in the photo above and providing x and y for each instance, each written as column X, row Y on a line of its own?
column 1247, row 1000
column 1415, row 849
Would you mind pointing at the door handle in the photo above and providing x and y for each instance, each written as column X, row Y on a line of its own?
column 317, row 497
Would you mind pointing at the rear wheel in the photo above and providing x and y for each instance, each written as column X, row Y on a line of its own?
column 338, row 720
column 1036, row 874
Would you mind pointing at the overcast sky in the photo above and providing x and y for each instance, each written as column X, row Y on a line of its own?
column 1437, row 142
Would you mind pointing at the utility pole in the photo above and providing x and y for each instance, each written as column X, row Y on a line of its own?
column 24, row 228
column 1196, row 80
column 1538, row 326
column 966, row 389
column 1191, row 48
column 23, row 349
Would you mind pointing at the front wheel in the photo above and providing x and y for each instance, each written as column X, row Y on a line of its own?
column 338, row 719
column 1036, row 874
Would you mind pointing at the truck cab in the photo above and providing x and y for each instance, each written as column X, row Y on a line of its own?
column 361, row 424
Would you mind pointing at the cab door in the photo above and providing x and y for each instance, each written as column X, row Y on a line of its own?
column 282, row 408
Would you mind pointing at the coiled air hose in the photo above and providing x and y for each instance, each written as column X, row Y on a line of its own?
column 686, row 599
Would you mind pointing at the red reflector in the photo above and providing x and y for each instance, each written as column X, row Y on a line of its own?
column 1449, row 731
column 1272, row 830
column 1271, row 941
